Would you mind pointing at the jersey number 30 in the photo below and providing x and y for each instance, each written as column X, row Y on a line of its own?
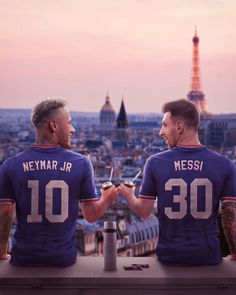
column 181, row 198
column 53, row 184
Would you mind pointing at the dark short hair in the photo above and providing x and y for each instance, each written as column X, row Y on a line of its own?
column 184, row 109
column 45, row 109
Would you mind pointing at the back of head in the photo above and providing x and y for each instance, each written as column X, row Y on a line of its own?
column 45, row 109
column 185, row 110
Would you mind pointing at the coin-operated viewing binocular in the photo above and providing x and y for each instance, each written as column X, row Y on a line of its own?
column 128, row 183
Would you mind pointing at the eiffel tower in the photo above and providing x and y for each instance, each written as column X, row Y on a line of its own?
column 196, row 94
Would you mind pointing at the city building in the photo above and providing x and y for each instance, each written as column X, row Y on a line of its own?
column 107, row 118
column 218, row 131
column 135, row 237
column 123, row 143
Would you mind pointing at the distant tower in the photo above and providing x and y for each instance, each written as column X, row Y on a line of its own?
column 196, row 94
column 122, row 123
column 107, row 117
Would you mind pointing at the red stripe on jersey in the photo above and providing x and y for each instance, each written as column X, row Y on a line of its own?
column 6, row 201
column 146, row 197
column 186, row 145
column 44, row 145
column 228, row 199
column 89, row 200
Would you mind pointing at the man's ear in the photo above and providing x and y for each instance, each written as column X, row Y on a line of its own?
column 180, row 126
column 52, row 126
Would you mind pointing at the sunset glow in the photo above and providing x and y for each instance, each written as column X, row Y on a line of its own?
column 137, row 49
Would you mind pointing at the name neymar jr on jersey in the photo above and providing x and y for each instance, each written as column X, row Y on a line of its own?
column 46, row 165
column 188, row 165
column 66, row 166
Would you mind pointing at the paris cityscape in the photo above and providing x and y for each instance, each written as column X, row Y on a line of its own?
column 121, row 141
column 117, row 64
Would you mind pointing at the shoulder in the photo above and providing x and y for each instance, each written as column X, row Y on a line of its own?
column 160, row 156
column 213, row 153
column 76, row 157
column 72, row 154
column 223, row 161
column 222, row 158
column 14, row 159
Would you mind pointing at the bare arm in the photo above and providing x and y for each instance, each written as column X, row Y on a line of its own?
column 6, row 216
column 94, row 210
column 228, row 217
column 142, row 207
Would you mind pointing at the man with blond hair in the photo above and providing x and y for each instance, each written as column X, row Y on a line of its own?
column 46, row 183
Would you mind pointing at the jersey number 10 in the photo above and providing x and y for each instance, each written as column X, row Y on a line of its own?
column 34, row 216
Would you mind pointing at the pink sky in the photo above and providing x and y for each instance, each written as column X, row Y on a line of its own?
column 137, row 49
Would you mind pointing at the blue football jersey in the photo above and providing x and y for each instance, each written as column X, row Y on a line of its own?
column 189, row 183
column 46, row 184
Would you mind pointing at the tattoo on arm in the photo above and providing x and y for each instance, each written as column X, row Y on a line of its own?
column 6, row 215
column 228, row 217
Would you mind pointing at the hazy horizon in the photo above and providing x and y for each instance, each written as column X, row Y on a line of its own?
column 97, row 113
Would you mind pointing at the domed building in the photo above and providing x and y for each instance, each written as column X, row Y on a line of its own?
column 107, row 117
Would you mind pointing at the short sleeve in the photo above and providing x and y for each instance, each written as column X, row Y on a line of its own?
column 88, row 189
column 147, row 190
column 229, row 189
column 6, row 191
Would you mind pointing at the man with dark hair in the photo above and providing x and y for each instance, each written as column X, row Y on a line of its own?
column 189, row 182
column 46, row 183
column 183, row 109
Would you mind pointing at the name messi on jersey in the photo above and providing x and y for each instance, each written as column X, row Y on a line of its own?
column 188, row 165
column 46, row 165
